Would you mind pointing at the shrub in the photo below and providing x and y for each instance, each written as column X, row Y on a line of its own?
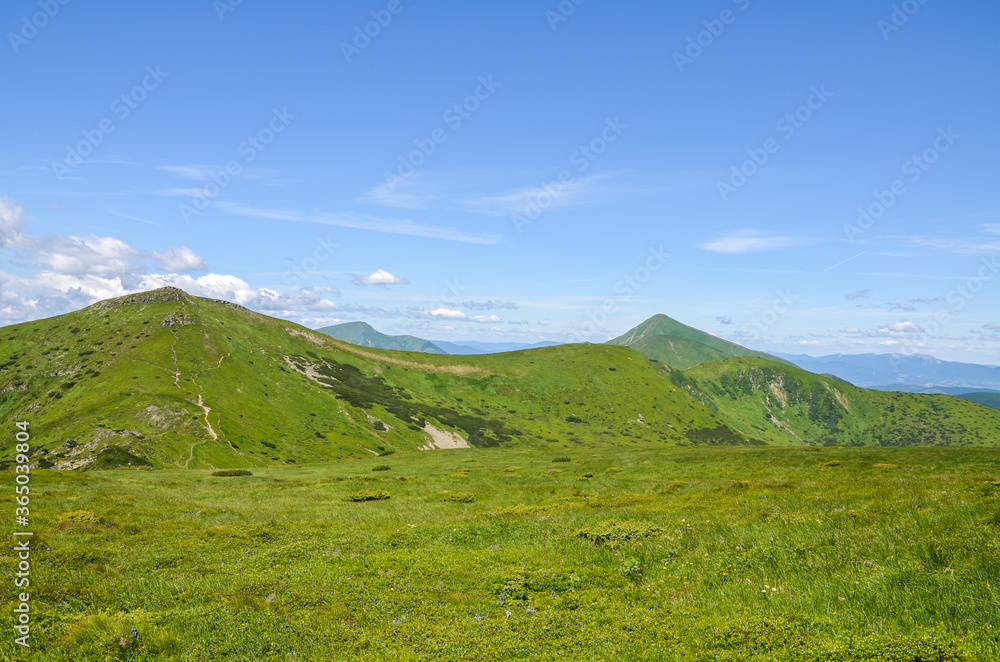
column 232, row 472
column 381, row 467
column 367, row 495
column 561, row 459
column 460, row 497
column 614, row 532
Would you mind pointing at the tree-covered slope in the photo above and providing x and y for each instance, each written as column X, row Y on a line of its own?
column 984, row 398
column 787, row 405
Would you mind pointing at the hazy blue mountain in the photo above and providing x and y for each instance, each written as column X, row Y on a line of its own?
column 459, row 347
column 360, row 333
column 910, row 373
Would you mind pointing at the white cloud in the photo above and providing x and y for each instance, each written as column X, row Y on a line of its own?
column 446, row 313
column 857, row 295
column 10, row 222
column 75, row 271
column 747, row 241
column 380, row 278
column 993, row 326
column 180, row 259
column 87, row 255
column 50, row 293
column 485, row 319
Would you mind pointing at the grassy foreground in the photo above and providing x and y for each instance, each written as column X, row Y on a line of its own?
column 597, row 554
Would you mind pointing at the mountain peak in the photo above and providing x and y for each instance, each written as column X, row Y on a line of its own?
column 680, row 346
column 140, row 298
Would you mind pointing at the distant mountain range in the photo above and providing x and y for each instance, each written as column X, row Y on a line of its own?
column 906, row 373
column 364, row 335
column 467, row 347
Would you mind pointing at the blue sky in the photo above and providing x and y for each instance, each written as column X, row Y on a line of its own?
column 515, row 171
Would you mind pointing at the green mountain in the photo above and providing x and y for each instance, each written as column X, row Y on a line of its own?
column 664, row 339
column 363, row 335
column 165, row 378
column 987, row 399
column 783, row 404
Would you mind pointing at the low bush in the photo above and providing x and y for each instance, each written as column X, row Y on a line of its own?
column 367, row 495
column 232, row 472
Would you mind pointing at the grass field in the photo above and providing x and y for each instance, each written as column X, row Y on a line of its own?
column 726, row 553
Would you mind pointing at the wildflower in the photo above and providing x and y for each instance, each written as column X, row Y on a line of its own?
column 376, row 602
column 507, row 611
column 529, row 611
column 553, row 594
column 503, row 599
column 135, row 633
column 480, row 617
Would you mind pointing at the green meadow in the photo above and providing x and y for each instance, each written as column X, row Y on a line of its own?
column 608, row 553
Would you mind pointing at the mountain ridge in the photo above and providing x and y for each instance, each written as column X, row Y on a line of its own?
column 164, row 378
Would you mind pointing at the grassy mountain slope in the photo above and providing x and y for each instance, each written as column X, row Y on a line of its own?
column 987, row 399
column 786, row 405
column 680, row 346
column 364, row 335
column 164, row 378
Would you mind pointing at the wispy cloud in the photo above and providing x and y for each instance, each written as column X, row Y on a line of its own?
column 548, row 196
column 860, row 294
column 489, row 305
column 360, row 222
column 747, row 241
column 129, row 217
column 897, row 330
